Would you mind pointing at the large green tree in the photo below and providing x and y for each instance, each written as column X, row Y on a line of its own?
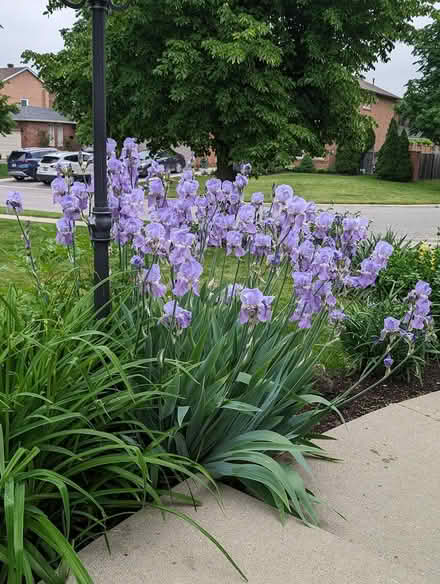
column 421, row 103
column 259, row 81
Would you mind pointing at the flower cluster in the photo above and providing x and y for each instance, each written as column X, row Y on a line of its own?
column 415, row 322
column 172, row 235
column 74, row 199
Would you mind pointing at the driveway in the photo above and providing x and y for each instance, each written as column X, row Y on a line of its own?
column 419, row 222
column 36, row 196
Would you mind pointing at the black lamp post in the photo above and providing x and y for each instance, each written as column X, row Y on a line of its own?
column 101, row 212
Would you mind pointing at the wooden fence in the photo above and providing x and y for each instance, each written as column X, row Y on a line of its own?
column 429, row 166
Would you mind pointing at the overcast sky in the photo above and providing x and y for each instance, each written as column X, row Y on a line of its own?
column 25, row 27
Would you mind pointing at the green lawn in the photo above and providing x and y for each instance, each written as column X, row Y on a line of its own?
column 334, row 188
column 3, row 170
column 51, row 259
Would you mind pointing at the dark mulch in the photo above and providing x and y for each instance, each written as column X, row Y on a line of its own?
column 392, row 390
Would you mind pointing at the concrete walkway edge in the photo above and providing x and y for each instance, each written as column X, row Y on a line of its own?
column 387, row 487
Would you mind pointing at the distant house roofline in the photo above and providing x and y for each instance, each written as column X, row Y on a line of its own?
column 40, row 114
column 378, row 90
column 4, row 70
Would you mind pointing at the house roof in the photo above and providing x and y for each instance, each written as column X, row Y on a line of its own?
column 375, row 89
column 40, row 114
column 7, row 73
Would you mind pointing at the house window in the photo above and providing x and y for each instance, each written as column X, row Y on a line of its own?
column 24, row 102
column 60, row 135
column 51, row 133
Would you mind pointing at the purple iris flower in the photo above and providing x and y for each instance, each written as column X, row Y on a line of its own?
column 59, row 188
column 388, row 361
column 151, row 281
column 182, row 237
column 261, row 245
column 423, row 289
column 323, row 223
column 155, row 186
column 391, row 326
column 283, row 193
column 131, row 225
column 336, row 315
column 137, row 261
column 227, row 187
column 255, row 306
column 417, row 316
column 64, row 231
column 241, row 181
column 172, row 311
column 232, row 291
column 111, row 146
column 129, row 145
column 188, row 277
column 213, row 185
column 234, row 241
column 114, row 165
column 246, row 213
column 246, row 169
column 14, row 201
column 155, row 169
column 381, row 253
column 71, row 207
column 187, row 188
column 257, row 198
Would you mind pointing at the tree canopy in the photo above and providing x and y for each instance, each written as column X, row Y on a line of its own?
column 253, row 80
column 421, row 103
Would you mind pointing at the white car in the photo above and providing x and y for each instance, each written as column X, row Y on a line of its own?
column 81, row 164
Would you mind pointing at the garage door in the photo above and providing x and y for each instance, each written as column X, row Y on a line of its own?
column 9, row 143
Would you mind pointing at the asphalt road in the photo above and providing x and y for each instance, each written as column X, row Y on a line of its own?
column 419, row 222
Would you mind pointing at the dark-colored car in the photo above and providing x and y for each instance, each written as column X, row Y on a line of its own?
column 23, row 163
column 172, row 161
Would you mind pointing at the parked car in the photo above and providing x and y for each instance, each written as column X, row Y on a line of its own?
column 80, row 162
column 172, row 161
column 23, row 163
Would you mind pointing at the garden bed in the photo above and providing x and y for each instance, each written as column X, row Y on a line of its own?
column 392, row 390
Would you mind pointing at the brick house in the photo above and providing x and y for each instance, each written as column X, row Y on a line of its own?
column 37, row 124
column 382, row 110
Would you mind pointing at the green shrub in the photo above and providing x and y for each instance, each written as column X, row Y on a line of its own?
column 365, row 248
column 348, row 160
column 403, row 170
column 306, row 164
column 361, row 338
column 393, row 161
column 421, row 141
column 408, row 265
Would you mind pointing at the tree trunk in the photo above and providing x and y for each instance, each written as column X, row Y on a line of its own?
column 225, row 170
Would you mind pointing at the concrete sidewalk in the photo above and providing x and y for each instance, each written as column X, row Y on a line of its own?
column 387, row 487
